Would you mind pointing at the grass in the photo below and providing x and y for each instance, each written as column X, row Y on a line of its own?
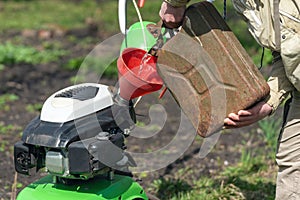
column 103, row 67
column 5, row 99
column 48, row 14
column 4, row 131
column 169, row 188
column 33, row 108
column 251, row 177
column 7, row 129
column 247, row 179
column 74, row 63
column 67, row 14
column 270, row 128
column 12, row 54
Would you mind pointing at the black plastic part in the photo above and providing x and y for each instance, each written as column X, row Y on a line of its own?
column 118, row 140
column 106, row 152
column 59, row 135
column 94, row 154
column 81, row 93
column 40, row 157
column 119, row 116
column 23, row 158
column 28, row 156
column 124, row 173
column 79, row 158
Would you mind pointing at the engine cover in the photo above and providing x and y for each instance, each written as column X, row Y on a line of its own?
column 75, row 102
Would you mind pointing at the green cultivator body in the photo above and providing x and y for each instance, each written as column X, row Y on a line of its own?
column 121, row 187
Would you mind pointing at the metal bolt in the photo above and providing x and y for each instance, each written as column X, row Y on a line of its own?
column 102, row 136
column 127, row 131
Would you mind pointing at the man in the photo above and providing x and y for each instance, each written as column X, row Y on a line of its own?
column 275, row 25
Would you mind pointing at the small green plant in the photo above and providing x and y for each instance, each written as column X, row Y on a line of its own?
column 6, row 98
column 5, row 129
column 19, row 185
column 74, row 64
column 140, row 123
column 3, row 145
column 270, row 128
column 168, row 188
column 32, row 108
column 247, row 165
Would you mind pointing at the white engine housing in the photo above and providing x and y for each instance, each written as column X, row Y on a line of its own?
column 75, row 101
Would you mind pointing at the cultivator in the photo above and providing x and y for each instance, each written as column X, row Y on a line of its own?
column 79, row 140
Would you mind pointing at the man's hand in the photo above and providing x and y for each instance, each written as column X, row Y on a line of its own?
column 247, row 117
column 170, row 15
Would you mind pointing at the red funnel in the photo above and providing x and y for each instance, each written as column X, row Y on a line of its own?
column 137, row 73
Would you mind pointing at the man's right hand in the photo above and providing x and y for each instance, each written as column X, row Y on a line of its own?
column 170, row 15
column 248, row 117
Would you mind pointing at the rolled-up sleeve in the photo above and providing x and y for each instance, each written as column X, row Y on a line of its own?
column 280, row 86
column 177, row 3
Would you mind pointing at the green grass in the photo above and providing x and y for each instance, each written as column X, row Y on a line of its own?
column 37, row 14
column 250, row 177
column 169, row 188
column 73, row 63
column 270, row 128
column 101, row 67
column 13, row 54
column 247, row 179
column 33, row 108
column 5, row 129
column 5, row 99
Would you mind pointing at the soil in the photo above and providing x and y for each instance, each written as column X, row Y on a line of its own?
column 34, row 83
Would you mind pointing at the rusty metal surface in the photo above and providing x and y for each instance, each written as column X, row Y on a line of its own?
column 208, row 71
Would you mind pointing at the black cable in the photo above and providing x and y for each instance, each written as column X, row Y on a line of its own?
column 224, row 10
column 262, row 58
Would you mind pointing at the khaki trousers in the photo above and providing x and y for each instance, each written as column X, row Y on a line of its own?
column 288, row 153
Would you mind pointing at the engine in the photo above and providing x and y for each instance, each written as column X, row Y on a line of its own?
column 79, row 134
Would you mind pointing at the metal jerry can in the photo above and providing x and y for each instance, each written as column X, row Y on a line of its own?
column 208, row 71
